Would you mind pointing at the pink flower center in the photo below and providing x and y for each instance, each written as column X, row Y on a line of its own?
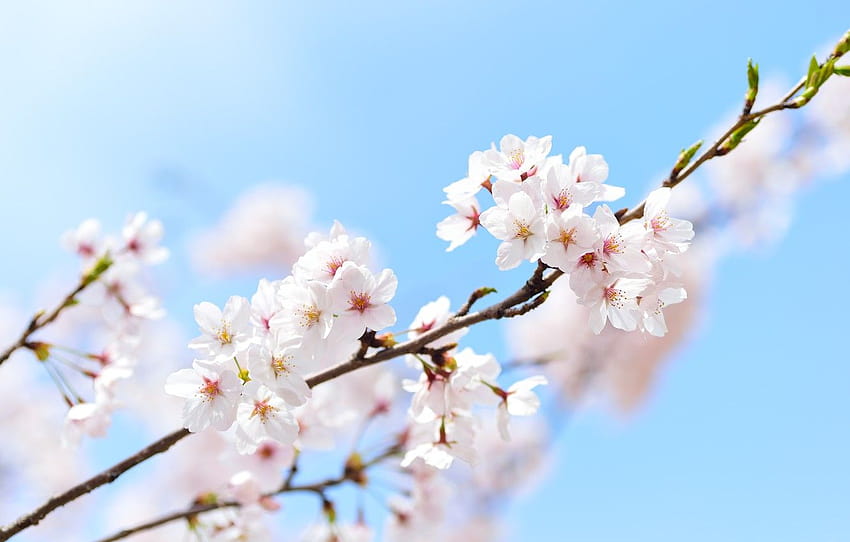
column 309, row 315
column 615, row 297
column 660, row 222
column 613, row 244
column 516, row 158
column 522, row 231
column 334, row 264
column 563, row 200
column 224, row 336
column 359, row 301
column 588, row 260
column 281, row 364
column 567, row 237
column 263, row 409
column 86, row 250
column 210, row 389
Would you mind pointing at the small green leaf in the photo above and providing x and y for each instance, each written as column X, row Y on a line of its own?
column 739, row 134
column 686, row 156
column 813, row 70
column 842, row 70
column 752, row 74
column 99, row 268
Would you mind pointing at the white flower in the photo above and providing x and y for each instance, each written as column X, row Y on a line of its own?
column 615, row 301
column 440, row 441
column 562, row 192
column 324, row 260
column 141, row 239
column 360, row 299
column 225, row 332
column 264, row 305
column 431, row 315
column 516, row 160
column 592, row 169
column 519, row 400
column 521, row 227
column 459, row 228
column 620, row 245
column 211, row 396
column 305, row 311
column 569, row 235
column 478, row 174
column 652, row 305
column 263, row 415
column 85, row 241
column 665, row 233
column 92, row 419
column 277, row 366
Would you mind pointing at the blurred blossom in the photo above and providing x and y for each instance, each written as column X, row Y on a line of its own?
column 263, row 229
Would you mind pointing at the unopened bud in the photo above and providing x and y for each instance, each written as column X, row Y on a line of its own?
column 843, row 45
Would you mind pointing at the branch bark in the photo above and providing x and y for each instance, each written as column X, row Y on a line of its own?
column 105, row 477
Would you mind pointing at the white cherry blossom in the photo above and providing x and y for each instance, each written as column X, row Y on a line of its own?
column 263, row 415
column 360, row 299
column 211, row 396
column 516, row 160
column 226, row 332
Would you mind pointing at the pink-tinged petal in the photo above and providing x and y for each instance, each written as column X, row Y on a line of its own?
column 656, row 202
column 503, row 422
column 386, row 284
column 595, row 169
column 495, row 220
column 379, row 317
column 503, row 190
column 622, row 319
column 509, row 254
column 208, row 317
column 457, row 230
column 597, row 317
column 348, row 325
column 183, row 383
column 237, row 311
column 610, row 193
column 521, row 206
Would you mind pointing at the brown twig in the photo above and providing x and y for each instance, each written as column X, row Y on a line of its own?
column 318, row 488
column 92, row 483
column 533, row 287
column 42, row 319
column 677, row 175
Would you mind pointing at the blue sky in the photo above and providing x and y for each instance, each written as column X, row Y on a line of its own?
column 176, row 108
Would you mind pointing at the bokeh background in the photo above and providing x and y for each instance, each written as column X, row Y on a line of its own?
column 371, row 108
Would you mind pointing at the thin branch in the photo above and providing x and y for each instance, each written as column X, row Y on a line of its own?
column 534, row 286
column 105, row 477
column 528, row 297
column 317, row 487
column 717, row 149
column 42, row 319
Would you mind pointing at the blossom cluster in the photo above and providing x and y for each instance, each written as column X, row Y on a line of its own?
column 625, row 273
column 452, row 382
column 113, row 285
column 251, row 358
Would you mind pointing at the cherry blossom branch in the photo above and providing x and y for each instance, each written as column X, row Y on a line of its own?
column 42, row 318
column 747, row 121
column 354, row 475
column 105, row 477
column 528, row 297
column 511, row 306
column 523, row 300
